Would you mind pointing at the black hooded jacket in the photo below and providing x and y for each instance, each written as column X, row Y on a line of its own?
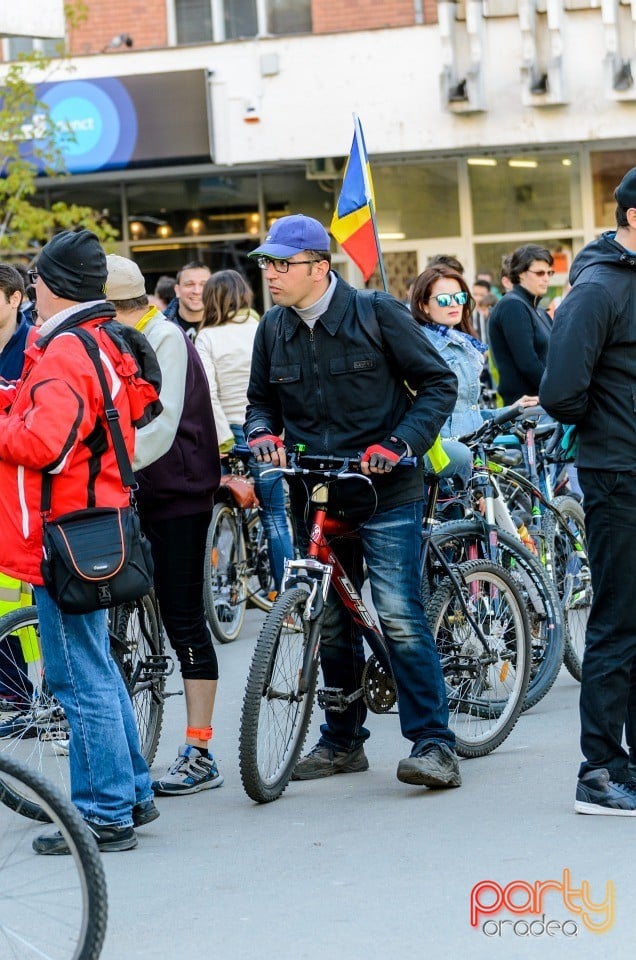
column 518, row 334
column 590, row 377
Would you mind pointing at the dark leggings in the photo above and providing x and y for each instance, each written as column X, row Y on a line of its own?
column 178, row 550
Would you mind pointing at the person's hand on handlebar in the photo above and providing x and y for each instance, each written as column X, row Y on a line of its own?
column 526, row 401
column 268, row 448
column 382, row 457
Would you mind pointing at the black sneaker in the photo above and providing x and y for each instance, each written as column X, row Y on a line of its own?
column 109, row 838
column 21, row 725
column 144, row 812
column 597, row 794
column 324, row 761
column 434, row 765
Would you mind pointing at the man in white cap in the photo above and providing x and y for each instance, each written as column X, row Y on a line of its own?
column 178, row 470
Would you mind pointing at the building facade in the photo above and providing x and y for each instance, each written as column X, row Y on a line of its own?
column 489, row 123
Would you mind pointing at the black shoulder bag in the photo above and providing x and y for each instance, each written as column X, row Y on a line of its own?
column 97, row 557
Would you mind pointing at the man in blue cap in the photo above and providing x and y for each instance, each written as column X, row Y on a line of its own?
column 332, row 382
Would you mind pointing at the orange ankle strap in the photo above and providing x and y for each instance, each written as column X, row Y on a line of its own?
column 199, row 733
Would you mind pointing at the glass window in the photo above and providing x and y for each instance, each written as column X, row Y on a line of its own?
column 104, row 198
column 608, row 169
column 49, row 47
column 416, row 201
column 527, row 192
column 193, row 21
column 288, row 16
column 240, row 19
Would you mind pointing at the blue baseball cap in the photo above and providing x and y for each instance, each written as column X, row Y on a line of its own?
column 291, row 235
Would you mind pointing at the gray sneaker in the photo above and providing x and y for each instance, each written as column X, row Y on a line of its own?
column 434, row 765
column 324, row 761
column 190, row 773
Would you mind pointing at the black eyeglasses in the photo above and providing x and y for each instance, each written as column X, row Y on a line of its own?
column 32, row 275
column 281, row 266
column 542, row 273
column 445, row 299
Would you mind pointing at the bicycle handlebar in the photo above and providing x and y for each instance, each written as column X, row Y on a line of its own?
column 508, row 415
column 327, row 465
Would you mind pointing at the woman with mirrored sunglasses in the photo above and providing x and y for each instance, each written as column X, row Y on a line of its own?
column 519, row 328
column 442, row 303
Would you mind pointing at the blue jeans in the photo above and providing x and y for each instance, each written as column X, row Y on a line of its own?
column 271, row 496
column 461, row 461
column 391, row 544
column 108, row 772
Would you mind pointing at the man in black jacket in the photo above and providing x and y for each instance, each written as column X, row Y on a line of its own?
column 590, row 381
column 320, row 374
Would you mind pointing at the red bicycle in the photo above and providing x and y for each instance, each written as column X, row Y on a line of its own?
column 476, row 616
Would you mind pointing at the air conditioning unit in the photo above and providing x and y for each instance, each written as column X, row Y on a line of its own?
column 325, row 168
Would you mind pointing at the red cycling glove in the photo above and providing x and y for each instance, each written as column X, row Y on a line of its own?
column 383, row 456
column 264, row 444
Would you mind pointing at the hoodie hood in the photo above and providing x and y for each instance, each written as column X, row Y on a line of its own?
column 605, row 250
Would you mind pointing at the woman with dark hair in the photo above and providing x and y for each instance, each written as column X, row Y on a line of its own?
column 225, row 340
column 442, row 303
column 519, row 328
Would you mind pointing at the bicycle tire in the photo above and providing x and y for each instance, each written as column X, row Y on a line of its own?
column 62, row 915
column 545, row 613
column 224, row 580
column 39, row 737
column 137, row 626
column 275, row 718
column 570, row 572
column 261, row 589
column 484, row 705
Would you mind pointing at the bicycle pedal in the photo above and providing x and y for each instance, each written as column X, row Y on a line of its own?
column 335, row 699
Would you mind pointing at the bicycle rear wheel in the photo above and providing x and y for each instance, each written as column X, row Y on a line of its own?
column 485, row 686
column 567, row 540
column 275, row 713
column 224, row 581
column 59, row 910
column 468, row 539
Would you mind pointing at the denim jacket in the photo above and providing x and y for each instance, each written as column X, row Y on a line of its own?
column 466, row 416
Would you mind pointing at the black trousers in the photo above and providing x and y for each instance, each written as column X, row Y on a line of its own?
column 178, row 551
column 608, row 686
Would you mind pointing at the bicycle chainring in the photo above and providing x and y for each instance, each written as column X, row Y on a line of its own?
column 378, row 687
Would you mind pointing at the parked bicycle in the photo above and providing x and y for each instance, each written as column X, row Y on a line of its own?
column 60, row 910
column 38, row 734
column 476, row 617
column 237, row 570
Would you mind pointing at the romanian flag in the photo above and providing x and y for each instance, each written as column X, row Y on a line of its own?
column 352, row 224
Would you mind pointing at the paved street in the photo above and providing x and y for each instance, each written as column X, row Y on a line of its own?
column 363, row 867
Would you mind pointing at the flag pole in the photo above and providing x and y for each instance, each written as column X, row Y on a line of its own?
column 362, row 153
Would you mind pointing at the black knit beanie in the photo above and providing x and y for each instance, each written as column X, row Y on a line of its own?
column 625, row 193
column 73, row 265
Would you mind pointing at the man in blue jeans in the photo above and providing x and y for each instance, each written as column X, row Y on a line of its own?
column 321, row 378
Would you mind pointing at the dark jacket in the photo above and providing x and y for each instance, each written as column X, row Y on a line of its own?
column 12, row 354
column 518, row 335
column 172, row 313
column 336, row 390
column 590, row 378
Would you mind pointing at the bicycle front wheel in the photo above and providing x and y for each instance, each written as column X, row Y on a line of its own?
column 276, row 712
column 59, row 910
column 224, row 581
column 567, row 540
column 486, row 677
column 138, row 650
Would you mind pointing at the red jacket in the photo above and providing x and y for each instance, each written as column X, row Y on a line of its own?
column 53, row 419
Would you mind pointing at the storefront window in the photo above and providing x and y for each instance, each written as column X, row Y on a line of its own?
column 529, row 192
column 608, row 169
column 416, row 201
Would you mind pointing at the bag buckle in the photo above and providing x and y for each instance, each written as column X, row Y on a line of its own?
column 112, row 413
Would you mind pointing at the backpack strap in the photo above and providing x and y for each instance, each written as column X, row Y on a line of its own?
column 365, row 309
column 112, row 423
